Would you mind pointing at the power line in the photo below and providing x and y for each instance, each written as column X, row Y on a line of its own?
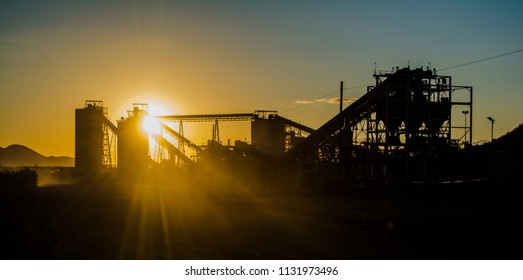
column 480, row 60
column 443, row 69
column 360, row 86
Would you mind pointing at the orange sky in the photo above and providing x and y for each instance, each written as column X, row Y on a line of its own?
column 237, row 57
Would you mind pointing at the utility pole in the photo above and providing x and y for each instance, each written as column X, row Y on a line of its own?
column 491, row 128
column 465, row 113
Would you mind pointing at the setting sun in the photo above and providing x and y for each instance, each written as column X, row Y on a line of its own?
column 208, row 134
column 151, row 125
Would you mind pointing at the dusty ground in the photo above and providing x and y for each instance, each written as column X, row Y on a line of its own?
column 121, row 222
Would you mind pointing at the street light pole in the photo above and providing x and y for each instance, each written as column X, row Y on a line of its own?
column 465, row 113
column 491, row 128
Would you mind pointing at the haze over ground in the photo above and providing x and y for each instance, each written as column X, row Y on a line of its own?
column 236, row 57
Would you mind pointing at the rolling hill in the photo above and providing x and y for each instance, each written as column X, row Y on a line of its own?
column 512, row 140
column 19, row 155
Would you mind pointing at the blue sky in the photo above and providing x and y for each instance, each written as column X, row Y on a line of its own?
column 197, row 57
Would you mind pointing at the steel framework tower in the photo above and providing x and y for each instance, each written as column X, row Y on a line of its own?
column 401, row 128
column 411, row 128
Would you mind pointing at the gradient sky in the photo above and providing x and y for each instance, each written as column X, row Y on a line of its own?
column 194, row 57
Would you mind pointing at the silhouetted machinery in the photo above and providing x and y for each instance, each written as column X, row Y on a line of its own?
column 404, row 127
column 138, row 150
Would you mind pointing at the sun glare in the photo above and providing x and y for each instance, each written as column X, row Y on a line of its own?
column 157, row 110
column 151, row 125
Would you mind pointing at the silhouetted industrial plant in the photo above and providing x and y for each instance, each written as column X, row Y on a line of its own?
column 403, row 129
column 394, row 175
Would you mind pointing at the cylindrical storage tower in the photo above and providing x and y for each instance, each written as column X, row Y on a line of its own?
column 133, row 147
column 268, row 135
column 89, row 139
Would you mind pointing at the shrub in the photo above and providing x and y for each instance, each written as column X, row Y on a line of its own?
column 13, row 180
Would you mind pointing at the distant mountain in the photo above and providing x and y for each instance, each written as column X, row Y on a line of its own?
column 18, row 155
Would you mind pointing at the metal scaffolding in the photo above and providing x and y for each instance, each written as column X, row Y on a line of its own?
column 398, row 129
